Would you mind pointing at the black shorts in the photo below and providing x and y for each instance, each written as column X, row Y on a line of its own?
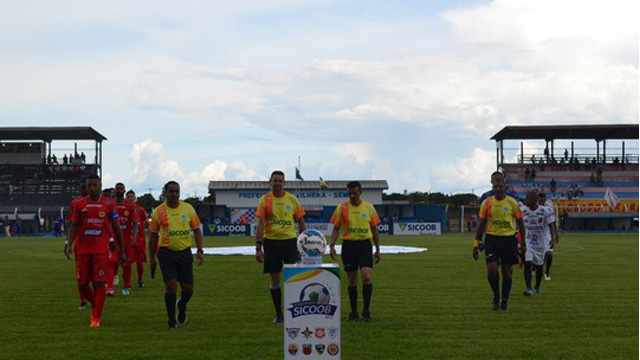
column 176, row 265
column 278, row 251
column 503, row 249
column 356, row 254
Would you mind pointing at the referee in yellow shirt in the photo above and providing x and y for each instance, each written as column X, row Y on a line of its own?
column 276, row 235
column 357, row 222
column 497, row 214
column 171, row 226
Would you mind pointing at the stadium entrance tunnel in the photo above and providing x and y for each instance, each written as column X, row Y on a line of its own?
column 251, row 250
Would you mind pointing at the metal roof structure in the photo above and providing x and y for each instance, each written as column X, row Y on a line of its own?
column 568, row 132
column 50, row 133
column 264, row 185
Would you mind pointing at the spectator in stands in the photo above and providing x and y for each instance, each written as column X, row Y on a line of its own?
column 552, row 186
column 6, row 226
column 16, row 224
column 566, row 154
column 54, row 159
column 592, row 179
column 83, row 157
column 533, row 159
column 65, row 160
column 57, row 226
column 599, row 175
column 541, row 164
column 527, row 175
column 532, row 177
column 616, row 162
column 579, row 192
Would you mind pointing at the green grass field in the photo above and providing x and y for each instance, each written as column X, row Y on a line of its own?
column 430, row 305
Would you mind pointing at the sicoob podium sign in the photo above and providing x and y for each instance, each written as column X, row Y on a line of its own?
column 312, row 303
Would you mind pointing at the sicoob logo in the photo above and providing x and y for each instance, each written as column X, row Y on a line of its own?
column 315, row 299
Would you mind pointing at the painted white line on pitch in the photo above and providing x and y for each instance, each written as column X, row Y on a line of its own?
column 251, row 250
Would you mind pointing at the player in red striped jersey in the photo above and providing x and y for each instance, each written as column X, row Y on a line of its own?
column 140, row 253
column 128, row 220
column 83, row 193
column 93, row 216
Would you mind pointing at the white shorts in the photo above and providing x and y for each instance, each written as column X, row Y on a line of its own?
column 535, row 254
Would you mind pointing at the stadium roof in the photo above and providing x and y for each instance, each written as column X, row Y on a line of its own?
column 594, row 132
column 302, row 185
column 48, row 134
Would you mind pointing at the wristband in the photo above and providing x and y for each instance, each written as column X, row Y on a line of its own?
column 476, row 243
column 66, row 242
column 258, row 245
column 200, row 251
column 332, row 245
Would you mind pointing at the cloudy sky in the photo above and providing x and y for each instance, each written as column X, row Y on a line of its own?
column 407, row 91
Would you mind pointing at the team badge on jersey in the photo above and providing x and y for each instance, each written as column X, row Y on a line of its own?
column 506, row 210
column 101, row 214
column 184, row 217
column 288, row 207
column 364, row 216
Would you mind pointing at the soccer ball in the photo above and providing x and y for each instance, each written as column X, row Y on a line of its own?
column 311, row 243
column 315, row 293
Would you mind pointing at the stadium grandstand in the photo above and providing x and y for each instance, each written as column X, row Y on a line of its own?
column 40, row 173
column 593, row 187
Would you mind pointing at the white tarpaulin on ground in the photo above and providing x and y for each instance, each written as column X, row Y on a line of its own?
column 251, row 250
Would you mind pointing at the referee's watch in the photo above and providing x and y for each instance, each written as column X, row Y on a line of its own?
column 200, row 251
column 258, row 245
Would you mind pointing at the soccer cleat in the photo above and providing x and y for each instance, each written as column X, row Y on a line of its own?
column 527, row 292
column 504, row 307
column 125, row 292
column 366, row 318
column 547, row 276
column 140, row 285
column 95, row 322
column 278, row 319
column 538, row 292
column 116, row 280
column 83, row 305
column 353, row 317
column 110, row 292
column 172, row 325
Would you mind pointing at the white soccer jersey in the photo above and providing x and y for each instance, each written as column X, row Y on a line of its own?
column 537, row 224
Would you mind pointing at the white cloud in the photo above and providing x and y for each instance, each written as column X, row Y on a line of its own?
column 360, row 152
column 152, row 168
column 473, row 172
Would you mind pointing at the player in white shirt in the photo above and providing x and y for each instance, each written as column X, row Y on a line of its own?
column 548, row 258
column 537, row 221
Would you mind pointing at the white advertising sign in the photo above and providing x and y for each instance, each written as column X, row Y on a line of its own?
column 416, row 229
column 312, row 312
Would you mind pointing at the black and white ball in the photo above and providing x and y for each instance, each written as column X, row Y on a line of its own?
column 311, row 243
